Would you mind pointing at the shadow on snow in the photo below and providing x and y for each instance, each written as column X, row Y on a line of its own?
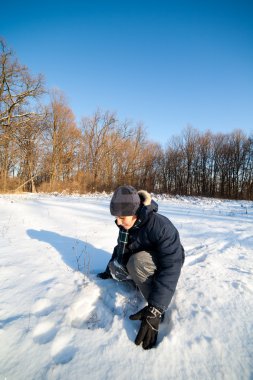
column 77, row 254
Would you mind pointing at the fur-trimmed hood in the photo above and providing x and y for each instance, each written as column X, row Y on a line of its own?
column 145, row 197
column 148, row 205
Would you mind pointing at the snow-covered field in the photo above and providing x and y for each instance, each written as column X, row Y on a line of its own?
column 60, row 323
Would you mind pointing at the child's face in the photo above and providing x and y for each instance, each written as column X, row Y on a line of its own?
column 126, row 221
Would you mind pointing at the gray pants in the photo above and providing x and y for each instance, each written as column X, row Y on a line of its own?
column 141, row 267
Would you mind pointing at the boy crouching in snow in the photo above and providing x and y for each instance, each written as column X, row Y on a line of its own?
column 149, row 252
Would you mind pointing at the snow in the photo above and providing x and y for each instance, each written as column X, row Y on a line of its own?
column 59, row 321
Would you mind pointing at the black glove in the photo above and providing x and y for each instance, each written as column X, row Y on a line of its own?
column 150, row 317
column 104, row 275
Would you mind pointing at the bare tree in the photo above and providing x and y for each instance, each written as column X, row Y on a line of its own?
column 17, row 89
column 62, row 138
column 101, row 135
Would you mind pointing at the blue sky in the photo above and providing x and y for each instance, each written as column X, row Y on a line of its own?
column 167, row 64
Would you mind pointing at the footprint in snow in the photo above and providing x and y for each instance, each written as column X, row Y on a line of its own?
column 200, row 259
column 44, row 332
column 42, row 307
column 9, row 320
column 46, row 279
column 62, row 350
column 196, row 250
column 89, row 311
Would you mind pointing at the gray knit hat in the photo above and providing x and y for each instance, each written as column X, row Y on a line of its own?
column 125, row 201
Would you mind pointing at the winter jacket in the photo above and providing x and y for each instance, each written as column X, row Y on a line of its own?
column 156, row 234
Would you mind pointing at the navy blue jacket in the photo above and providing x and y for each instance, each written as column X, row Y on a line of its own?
column 156, row 234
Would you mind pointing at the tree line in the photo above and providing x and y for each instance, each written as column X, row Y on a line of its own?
column 43, row 149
